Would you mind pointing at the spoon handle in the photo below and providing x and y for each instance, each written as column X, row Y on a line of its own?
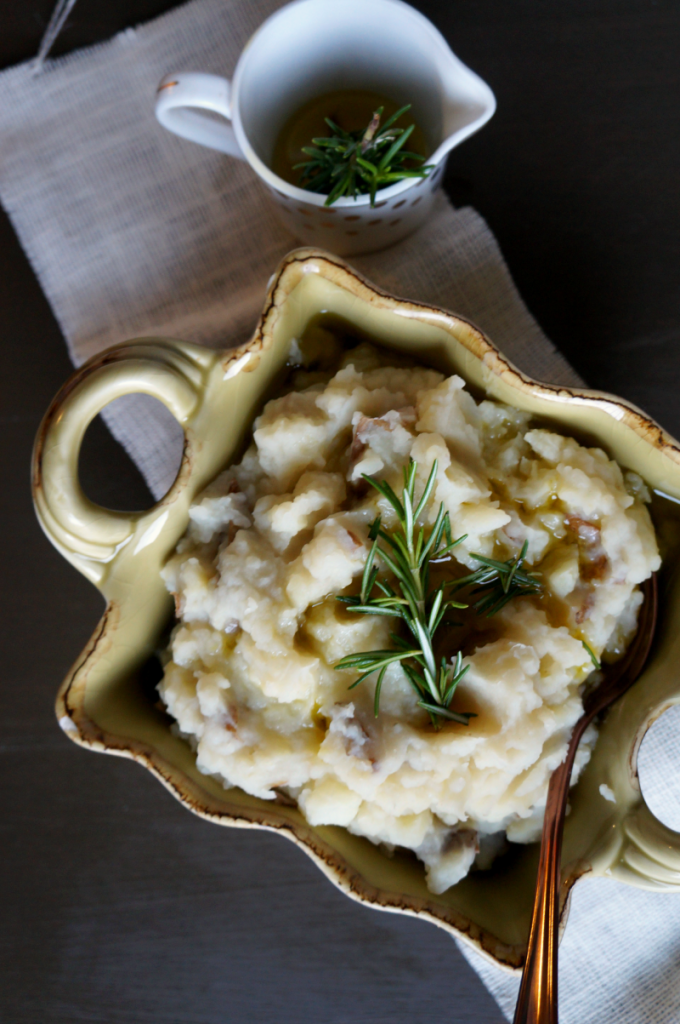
column 537, row 1000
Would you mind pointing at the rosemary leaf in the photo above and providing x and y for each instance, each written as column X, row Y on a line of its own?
column 592, row 655
column 496, row 583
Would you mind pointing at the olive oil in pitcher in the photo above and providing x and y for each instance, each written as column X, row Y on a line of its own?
column 352, row 110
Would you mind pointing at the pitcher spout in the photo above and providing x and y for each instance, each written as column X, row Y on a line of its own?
column 467, row 103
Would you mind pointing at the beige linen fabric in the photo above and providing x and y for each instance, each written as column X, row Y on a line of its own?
column 132, row 231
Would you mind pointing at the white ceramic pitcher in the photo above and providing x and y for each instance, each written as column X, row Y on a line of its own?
column 312, row 47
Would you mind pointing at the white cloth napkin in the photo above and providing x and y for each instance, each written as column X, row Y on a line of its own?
column 132, row 231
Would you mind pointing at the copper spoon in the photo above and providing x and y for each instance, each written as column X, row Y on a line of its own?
column 537, row 1000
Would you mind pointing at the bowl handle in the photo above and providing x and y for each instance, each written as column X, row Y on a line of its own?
column 88, row 535
column 650, row 855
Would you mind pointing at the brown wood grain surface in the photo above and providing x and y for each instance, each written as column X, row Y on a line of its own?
column 117, row 905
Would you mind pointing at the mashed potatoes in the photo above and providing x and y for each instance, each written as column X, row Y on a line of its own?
column 250, row 678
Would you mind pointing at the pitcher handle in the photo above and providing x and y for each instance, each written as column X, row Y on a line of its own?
column 88, row 535
column 181, row 97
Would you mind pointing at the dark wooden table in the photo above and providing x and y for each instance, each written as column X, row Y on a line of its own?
column 120, row 907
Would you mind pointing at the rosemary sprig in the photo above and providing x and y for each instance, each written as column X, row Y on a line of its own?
column 591, row 654
column 407, row 553
column 498, row 582
column 360, row 162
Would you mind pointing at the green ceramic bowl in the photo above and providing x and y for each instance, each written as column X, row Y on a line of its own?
column 105, row 703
